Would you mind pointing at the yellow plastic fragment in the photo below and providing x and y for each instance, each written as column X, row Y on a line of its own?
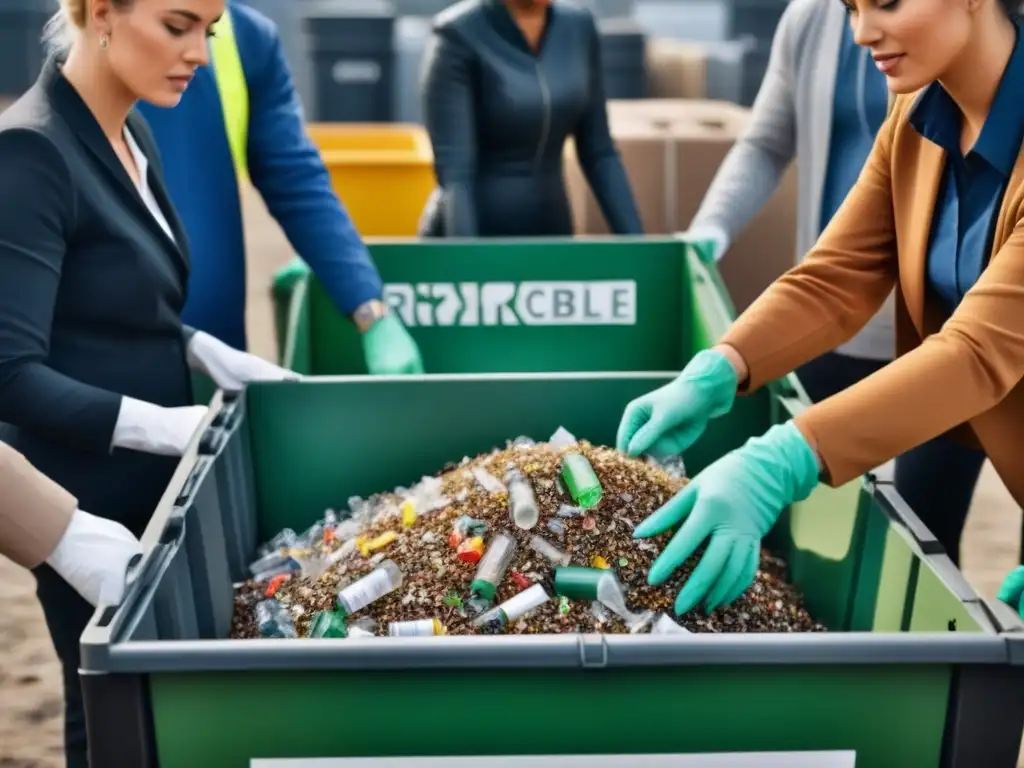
column 408, row 513
column 368, row 546
column 599, row 562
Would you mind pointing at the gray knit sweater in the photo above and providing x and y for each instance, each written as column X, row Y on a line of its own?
column 791, row 118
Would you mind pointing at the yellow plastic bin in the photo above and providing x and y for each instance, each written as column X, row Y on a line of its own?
column 383, row 173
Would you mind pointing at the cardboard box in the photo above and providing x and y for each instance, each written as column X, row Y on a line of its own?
column 676, row 70
column 672, row 150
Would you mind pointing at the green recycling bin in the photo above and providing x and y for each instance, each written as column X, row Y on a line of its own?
column 483, row 306
column 917, row 670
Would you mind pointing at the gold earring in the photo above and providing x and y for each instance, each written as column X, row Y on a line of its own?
column 104, row 40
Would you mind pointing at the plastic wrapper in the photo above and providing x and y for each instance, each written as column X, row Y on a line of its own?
column 274, row 620
column 487, row 481
column 549, row 551
column 672, row 466
column 562, row 438
column 663, row 625
column 613, row 597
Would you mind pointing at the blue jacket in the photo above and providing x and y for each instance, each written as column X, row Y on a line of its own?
column 286, row 169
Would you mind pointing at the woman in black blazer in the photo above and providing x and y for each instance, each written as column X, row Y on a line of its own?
column 506, row 82
column 95, row 386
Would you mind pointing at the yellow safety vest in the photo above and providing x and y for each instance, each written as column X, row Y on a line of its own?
column 234, row 92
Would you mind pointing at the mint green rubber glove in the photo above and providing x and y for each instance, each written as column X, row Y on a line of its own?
column 710, row 242
column 669, row 420
column 735, row 502
column 389, row 349
column 1013, row 589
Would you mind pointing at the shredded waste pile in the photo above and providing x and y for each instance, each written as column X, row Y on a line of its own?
column 532, row 538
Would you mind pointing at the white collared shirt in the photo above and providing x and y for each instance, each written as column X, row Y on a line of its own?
column 142, row 165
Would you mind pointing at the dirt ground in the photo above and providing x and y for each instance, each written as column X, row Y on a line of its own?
column 30, row 696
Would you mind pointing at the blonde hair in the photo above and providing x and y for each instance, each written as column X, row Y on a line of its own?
column 68, row 22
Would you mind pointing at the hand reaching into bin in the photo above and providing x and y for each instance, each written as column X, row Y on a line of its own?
column 389, row 349
column 1012, row 589
column 231, row 369
column 669, row 420
column 732, row 504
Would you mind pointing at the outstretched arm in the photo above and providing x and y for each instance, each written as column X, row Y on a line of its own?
column 290, row 175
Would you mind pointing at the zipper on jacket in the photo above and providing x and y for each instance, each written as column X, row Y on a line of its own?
column 546, row 127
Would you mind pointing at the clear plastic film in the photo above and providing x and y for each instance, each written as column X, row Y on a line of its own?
column 673, row 466
column 663, row 625
column 365, row 626
column 286, row 539
column 487, row 481
column 274, row 564
column 549, row 551
column 611, row 594
column 274, row 620
column 562, row 438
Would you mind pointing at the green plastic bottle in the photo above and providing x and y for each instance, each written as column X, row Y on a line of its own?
column 581, row 480
column 327, row 624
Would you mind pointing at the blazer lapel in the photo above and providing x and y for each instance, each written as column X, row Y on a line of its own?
column 179, row 246
column 82, row 122
column 919, row 192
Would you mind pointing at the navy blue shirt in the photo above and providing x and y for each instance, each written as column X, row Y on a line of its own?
column 858, row 110
column 972, row 185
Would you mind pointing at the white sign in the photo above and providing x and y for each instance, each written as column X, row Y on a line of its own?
column 831, row 759
column 353, row 71
column 596, row 302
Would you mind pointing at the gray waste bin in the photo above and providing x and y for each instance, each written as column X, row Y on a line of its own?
column 21, row 47
column 623, row 54
column 287, row 17
column 758, row 18
column 351, row 45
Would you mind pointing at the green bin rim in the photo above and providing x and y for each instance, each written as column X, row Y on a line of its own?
column 105, row 649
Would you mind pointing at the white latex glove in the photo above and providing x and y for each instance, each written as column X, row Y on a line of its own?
column 93, row 557
column 150, row 428
column 231, row 369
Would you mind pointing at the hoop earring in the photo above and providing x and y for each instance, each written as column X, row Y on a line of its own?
column 104, row 40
